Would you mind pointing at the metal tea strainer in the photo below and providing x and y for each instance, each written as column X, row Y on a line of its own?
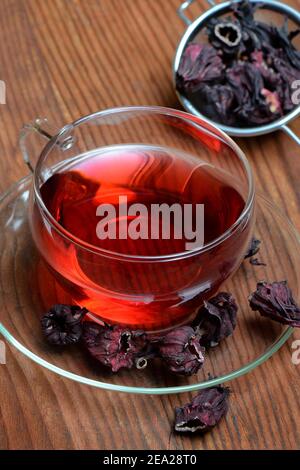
column 272, row 12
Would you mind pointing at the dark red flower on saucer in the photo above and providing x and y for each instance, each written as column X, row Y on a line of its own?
column 275, row 300
column 216, row 319
column 114, row 346
column 181, row 351
column 61, row 325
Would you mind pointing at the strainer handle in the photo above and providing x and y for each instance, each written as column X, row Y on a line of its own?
column 184, row 6
column 291, row 133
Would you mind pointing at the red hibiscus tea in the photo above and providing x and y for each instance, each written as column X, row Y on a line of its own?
column 152, row 282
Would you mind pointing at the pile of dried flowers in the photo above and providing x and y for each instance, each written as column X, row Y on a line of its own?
column 182, row 349
column 243, row 77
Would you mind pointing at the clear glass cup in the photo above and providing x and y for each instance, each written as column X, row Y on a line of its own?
column 154, row 292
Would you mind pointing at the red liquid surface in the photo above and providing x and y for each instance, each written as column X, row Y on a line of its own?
column 142, row 293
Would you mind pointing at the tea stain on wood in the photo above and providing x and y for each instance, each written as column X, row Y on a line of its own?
column 67, row 58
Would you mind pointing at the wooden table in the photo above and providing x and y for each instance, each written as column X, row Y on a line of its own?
column 67, row 58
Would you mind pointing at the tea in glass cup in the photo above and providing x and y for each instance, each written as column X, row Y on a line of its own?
column 144, row 216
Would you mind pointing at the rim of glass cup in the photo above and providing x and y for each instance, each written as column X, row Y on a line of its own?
column 201, row 124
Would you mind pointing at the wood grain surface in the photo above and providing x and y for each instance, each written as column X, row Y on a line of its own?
column 67, row 58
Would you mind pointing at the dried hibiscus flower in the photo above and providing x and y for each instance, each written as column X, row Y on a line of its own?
column 225, row 35
column 204, row 412
column 253, row 247
column 282, row 41
column 181, row 351
column 216, row 320
column 271, row 78
column 62, row 325
column 252, row 97
column 255, row 33
column 200, row 64
column 216, row 100
column 115, row 347
column 275, row 300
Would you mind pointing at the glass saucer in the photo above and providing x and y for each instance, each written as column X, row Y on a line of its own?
column 27, row 290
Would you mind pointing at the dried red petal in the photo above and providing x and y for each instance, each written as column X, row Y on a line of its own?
column 217, row 101
column 252, row 105
column 253, row 247
column 288, row 75
column 216, row 320
column 275, row 300
column 115, row 347
column 200, row 63
column 204, row 412
column 255, row 33
column 272, row 79
column 62, row 325
column 181, row 351
column 244, row 10
column 256, row 262
column 282, row 40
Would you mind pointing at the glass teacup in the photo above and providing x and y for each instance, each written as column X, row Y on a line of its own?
column 141, row 157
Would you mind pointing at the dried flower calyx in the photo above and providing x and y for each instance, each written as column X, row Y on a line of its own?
column 62, row 325
column 181, row 351
column 216, row 319
column 115, row 347
column 224, row 34
column 204, row 412
column 274, row 300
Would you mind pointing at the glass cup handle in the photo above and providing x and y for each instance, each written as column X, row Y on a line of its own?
column 41, row 128
column 184, row 6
